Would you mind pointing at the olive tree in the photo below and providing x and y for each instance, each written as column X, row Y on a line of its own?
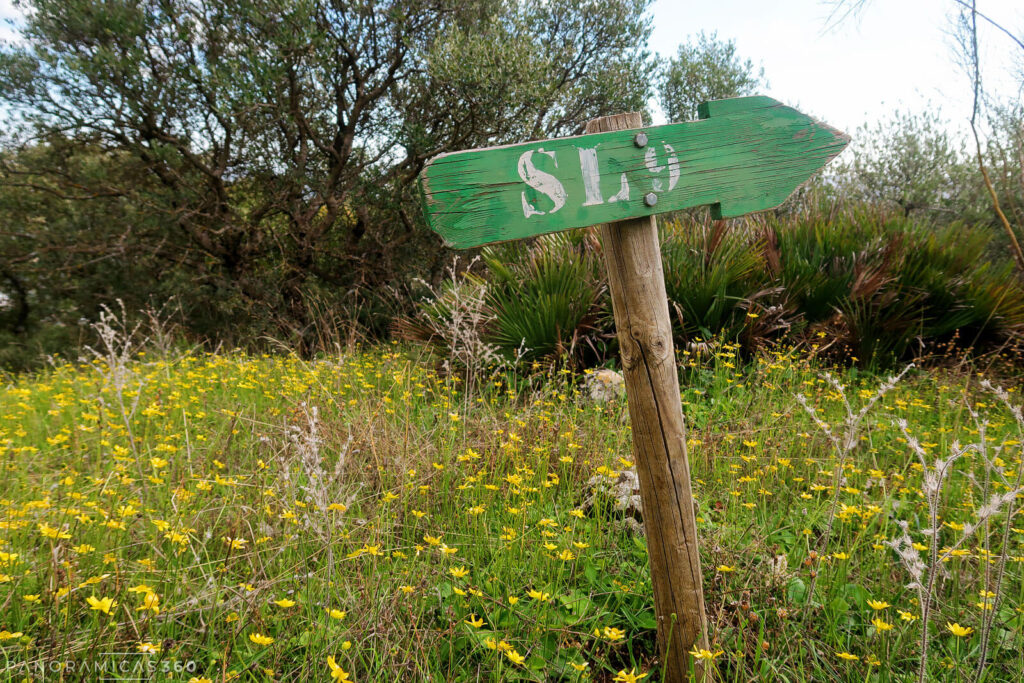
column 705, row 68
column 277, row 141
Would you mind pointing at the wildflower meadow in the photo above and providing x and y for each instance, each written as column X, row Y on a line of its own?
column 208, row 517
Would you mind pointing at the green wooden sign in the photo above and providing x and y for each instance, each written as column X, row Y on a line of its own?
column 745, row 154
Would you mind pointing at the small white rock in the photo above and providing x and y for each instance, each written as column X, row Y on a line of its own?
column 605, row 385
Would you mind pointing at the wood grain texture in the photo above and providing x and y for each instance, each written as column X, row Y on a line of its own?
column 637, row 284
column 746, row 154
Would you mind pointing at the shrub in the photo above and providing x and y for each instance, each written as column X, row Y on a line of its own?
column 548, row 298
column 713, row 276
column 853, row 282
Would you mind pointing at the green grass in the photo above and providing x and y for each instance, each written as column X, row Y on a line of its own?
column 425, row 534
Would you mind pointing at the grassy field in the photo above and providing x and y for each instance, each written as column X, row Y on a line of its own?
column 363, row 518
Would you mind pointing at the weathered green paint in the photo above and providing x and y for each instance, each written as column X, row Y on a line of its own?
column 745, row 154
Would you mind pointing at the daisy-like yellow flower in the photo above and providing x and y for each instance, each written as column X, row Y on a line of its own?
column 958, row 630
column 878, row 604
column 881, row 624
column 337, row 673
column 475, row 621
column 7, row 635
column 630, row 676
column 847, row 656
column 538, row 595
column 458, row 572
column 148, row 648
column 515, row 657
column 52, row 532
column 336, row 614
column 612, row 633
column 907, row 616
column 151, row 602
column 260, row 639
column 101, row 604
column 284, row 602
column 701, row 653
column 31, row 598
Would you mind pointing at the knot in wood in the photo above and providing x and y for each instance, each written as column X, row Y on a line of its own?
column 659, row 345
column 650, row 341
column 629, row 351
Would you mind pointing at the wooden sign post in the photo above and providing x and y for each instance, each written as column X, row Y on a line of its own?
column 745, row 154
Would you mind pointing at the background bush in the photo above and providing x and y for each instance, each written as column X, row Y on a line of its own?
column 258, row 179
column 856, row 282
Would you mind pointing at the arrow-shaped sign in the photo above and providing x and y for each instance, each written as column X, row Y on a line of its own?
column 745, row 154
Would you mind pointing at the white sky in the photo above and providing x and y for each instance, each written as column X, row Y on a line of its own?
column 7, row 11
column 895, row 54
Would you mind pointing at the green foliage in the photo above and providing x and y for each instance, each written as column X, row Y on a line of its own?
column 705, row 68
column 912, row 161
column 252, row 162
column 1003, row 153
column 856, row 283
column 886, row 286
column 548, row 298
column 541, row 299
column 257, row 157
column 712, row 276
column 66, row 251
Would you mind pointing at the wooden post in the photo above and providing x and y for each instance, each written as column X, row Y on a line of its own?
column 636, row 280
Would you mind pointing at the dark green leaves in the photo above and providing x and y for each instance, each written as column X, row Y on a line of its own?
column 705, row 68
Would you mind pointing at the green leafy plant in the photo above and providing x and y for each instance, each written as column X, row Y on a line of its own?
column 713, row 277
column 548, row 298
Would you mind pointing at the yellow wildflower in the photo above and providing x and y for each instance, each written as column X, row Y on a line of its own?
column 337, row 673
column 101, row 605
column 958, row 630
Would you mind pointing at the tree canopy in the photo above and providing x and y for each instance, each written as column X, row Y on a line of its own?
column 272, row 144
column 705, row 68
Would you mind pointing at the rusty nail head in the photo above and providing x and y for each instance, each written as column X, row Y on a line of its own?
column 640, row 139
column 650, row 199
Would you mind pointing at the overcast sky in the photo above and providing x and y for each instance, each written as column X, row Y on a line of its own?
column 7, row 12
column 894, row 54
